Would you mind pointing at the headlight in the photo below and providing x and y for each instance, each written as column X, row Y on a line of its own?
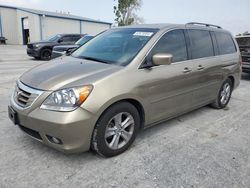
column 67, row 99
column 36, row 45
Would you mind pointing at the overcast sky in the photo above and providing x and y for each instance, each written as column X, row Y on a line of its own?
column 233, row 15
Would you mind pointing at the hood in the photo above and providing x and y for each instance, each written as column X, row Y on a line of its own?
column 41, row 42
column 64, row 47
column 64, row 72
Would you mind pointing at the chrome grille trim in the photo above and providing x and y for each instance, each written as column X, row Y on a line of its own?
column 24, row 96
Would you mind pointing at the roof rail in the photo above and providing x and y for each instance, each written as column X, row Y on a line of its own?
column 204, row 24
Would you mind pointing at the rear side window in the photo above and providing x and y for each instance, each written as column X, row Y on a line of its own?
column 225, row 43
column 76, row 38
column 201, row 43
column 173, row 42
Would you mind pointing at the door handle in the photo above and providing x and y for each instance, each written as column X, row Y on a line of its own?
column 200, row 67
column 186, row 70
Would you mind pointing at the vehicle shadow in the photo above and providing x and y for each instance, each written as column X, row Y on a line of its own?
column 36, row 59
column 143, row 135
column 245, row 76
column 176, row 121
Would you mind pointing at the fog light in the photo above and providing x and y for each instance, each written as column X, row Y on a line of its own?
column 54, row 139
column 57, row 141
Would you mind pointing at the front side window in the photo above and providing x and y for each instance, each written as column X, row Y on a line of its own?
column 201, row 43
column 116, row 46
column 225, row 43
column 67, row 39
column 173, row 42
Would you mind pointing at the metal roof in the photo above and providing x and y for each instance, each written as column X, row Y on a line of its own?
column 55, row 14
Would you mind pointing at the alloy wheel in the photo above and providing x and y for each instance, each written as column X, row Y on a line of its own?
column 119, row 130
column 225, row 93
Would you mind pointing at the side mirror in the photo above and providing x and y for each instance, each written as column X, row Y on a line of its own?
column 70, row 51
column 60, row 40
column 162, row 59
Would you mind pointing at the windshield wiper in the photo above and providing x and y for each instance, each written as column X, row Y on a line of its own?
column 94, row 59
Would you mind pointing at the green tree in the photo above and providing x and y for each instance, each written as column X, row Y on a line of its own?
column 125, row 12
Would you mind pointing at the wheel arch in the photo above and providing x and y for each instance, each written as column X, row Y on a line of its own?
column 45, row 47
column 136, row 103
column 232, row 80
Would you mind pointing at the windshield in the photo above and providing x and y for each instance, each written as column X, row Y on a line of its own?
column 83, row 40
column 115, row 46
column 54, row 38
column 243, row 41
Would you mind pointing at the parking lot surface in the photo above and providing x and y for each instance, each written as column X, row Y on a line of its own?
column 204, row 148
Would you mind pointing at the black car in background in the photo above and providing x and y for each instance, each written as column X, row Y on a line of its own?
column 43, row 49
column 64, row 49
column 244, row 45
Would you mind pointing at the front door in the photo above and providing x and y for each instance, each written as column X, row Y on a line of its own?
column 169, row 88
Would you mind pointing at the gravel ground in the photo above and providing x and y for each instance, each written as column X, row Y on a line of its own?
column 204, row 148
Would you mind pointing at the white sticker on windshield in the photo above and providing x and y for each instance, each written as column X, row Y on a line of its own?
column 144, row 34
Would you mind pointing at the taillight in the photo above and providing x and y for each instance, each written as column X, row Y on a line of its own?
column 241, row 62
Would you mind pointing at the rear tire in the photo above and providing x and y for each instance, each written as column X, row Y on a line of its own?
column 46, row 54
column 224, row 95
column 116, row 129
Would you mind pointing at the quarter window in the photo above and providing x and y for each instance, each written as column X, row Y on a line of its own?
column 173, row 43
column 201, row 44
column 225, row 43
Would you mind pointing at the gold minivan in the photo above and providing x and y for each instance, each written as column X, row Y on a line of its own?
column 123, row 80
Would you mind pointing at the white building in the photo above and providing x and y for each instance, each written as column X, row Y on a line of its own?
column 20, row 25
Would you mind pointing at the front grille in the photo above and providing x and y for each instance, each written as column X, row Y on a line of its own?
column 246, row 58
column 31, row 132
column 24, row 96
column 30, row 46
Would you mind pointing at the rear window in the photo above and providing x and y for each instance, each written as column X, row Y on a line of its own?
column 225, row 43
column 201, row 43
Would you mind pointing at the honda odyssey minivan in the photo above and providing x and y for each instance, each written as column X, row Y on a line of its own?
column 123, row 80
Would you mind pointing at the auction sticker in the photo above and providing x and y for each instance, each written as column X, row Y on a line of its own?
column 144, row 34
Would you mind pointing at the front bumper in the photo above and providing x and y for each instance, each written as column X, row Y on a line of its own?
column 74, row 129
column 33, row 52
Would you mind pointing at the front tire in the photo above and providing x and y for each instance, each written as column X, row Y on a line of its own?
column 46, row 54
column 224, row 95
column 116, row 129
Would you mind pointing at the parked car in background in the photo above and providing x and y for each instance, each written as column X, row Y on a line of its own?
column 64, row 49
column 123, row 80
column 244, row 45
column 43, row 49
